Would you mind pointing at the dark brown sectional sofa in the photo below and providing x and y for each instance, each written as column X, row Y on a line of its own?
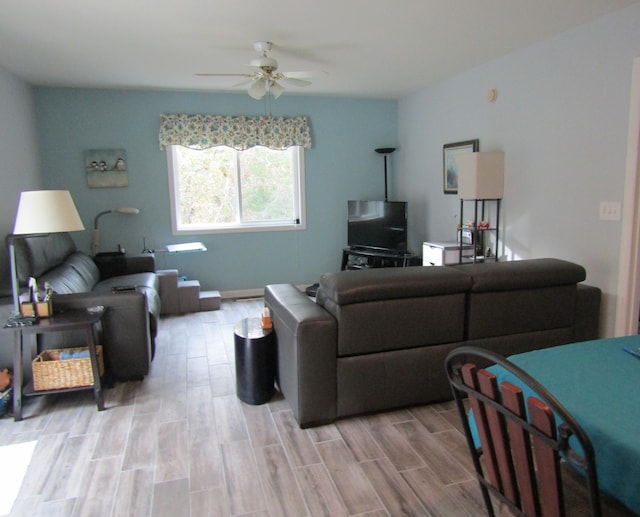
column 130, row 324
column 376, row 339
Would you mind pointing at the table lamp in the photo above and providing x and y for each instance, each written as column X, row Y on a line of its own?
column 41, row 212
column 95, row 243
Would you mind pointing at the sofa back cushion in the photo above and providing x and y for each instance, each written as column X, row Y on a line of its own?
column 388, row 309
column 521, row 296
column 78, row 274
column 35, row 255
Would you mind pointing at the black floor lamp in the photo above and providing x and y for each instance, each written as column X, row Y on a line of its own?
column 386, row 151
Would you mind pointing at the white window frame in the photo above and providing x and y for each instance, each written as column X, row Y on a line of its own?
column 254, row 226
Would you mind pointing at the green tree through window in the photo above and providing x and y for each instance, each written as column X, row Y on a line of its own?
column 221, row 189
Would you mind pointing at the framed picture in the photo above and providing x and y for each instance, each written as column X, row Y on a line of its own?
column 449, row 165
column 106, row 168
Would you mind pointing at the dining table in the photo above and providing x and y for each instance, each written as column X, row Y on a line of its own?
column 598, row 382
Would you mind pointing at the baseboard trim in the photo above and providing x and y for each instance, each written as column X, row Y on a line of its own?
column 242, row 293
column 248, row 293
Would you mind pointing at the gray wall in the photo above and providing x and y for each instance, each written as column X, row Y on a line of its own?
column 19, row 170
column 561, row 118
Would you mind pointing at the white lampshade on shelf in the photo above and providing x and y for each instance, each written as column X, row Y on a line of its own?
column 41, row 212
column 46, row 211
column 481, row 175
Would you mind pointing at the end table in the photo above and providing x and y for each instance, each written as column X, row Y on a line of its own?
column 255, row 361
column 77, row 319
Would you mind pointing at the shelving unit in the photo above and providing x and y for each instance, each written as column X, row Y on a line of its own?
column 366, row 258
column 482, row 237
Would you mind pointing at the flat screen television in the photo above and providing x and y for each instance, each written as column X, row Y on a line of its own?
column 378, row 225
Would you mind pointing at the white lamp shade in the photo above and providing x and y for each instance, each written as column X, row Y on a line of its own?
column 480, row 175
column 46, row 211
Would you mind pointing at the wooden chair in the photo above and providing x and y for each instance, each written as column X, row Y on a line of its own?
column 523, row 443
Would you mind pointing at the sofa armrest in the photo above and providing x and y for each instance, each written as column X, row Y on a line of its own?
column 588, row 299
column 306, row 337
column 125, row 329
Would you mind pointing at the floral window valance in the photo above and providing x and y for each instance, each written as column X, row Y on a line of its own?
column 204, row 131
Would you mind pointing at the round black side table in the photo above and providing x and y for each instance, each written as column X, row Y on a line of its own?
column 255, row 361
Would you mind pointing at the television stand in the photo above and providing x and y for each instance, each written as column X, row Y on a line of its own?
column 364, row 258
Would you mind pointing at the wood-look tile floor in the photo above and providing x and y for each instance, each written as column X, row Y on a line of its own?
column 180, row 443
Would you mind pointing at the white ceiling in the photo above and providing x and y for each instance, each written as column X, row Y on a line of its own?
column 368, row 48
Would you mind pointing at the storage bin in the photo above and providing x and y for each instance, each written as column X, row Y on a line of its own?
column 52, row 373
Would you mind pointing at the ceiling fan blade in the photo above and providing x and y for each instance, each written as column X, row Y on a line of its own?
column 257, row 90
column 223, row 75
column 305, row 74
column 295, row 81
column 243, row 83
column 276, row 90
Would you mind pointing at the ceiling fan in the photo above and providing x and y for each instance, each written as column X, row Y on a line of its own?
column 264, row 80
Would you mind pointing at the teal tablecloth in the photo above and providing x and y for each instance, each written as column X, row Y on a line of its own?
column 599, row 384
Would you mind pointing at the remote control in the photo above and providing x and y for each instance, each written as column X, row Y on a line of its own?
column 635, row 353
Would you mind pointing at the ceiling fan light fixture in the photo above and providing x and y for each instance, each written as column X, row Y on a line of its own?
column 258, row 89
column 275, row 89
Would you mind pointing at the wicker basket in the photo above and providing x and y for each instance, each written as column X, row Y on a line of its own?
column 52, row 373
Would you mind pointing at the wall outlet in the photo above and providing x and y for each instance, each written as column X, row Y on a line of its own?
column 610, row 210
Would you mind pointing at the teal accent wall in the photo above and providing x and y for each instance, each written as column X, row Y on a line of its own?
column 341, row 165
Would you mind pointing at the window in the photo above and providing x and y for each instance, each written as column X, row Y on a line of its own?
column 220, row 189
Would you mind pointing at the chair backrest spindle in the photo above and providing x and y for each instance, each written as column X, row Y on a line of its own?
column 518, row 439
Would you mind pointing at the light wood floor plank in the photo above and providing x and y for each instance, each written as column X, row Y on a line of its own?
column 205, row 463
column 172, row 458
column 199, row 405
column 141, row 445
column 230, row 423
column 44, row 461
column 432, row 451
column 260, row 424
column 394, row 446
column 134, row 493
column 434, row 495
column 69, row 475
column 222, row 380
column 171, row 498
column 210, row 502
column 101, row 486
column 352, row 484
column 395, row 494
column 281, row 489
column 355, row 433
column 318, row 490
column 113, row 433
column 243, row 479
column 296, row 441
